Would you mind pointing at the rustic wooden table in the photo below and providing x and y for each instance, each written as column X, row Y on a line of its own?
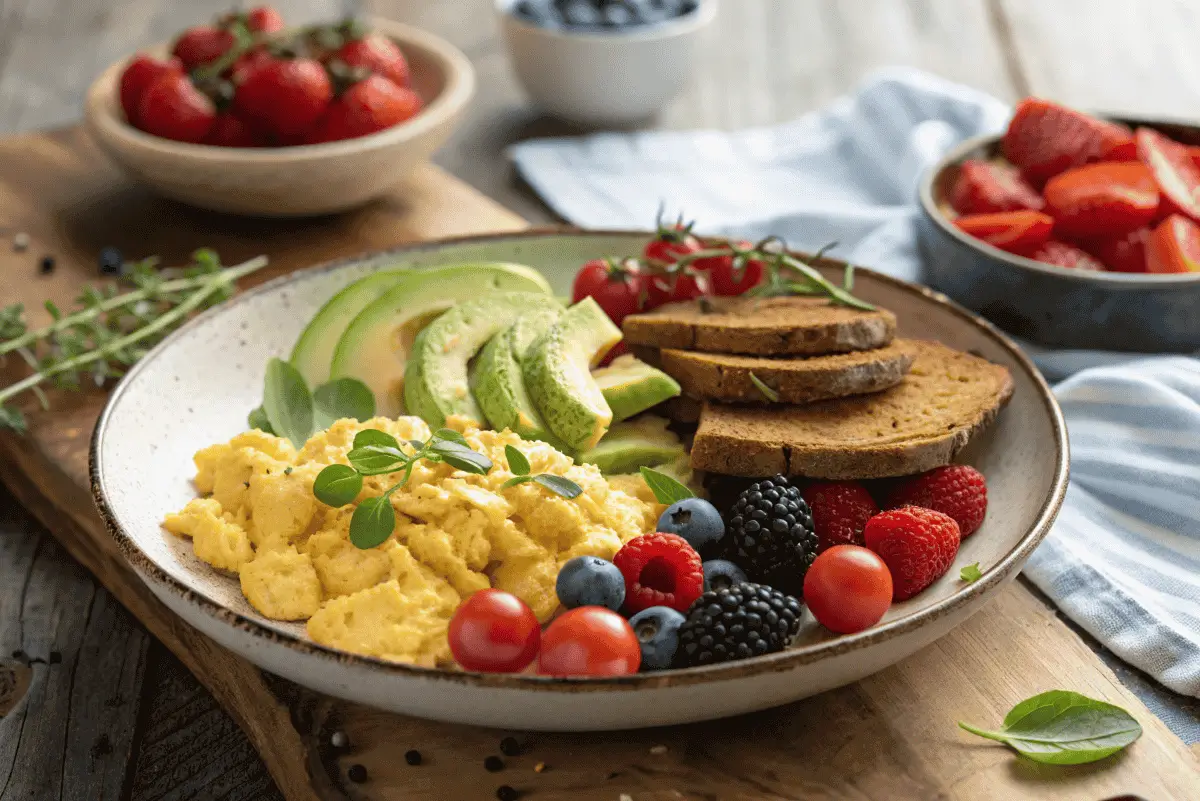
column 767, row 60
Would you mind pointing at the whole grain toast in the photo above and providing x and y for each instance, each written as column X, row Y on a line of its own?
column 919, row 424
column 731, row 378
column 783, row 326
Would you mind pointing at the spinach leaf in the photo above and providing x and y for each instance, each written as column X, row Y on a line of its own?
column 340, row 398
column 666, row 489
column 287, row 402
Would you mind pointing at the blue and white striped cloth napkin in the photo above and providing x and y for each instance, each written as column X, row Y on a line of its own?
column 1123, row 560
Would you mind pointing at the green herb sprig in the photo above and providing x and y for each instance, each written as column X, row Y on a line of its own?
column 290, row 410
column 666, row 489
column 111, row 329
column 971, row 573
column 767, row 391
column 519, row 465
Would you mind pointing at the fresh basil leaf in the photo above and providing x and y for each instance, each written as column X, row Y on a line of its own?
column 372, row 522
column 287, row 402
column 559, row 485
column 376, row 460
column 372, row 436
column 417, row 444
column 1064, row 728
column 258, row 419
column 342, row 398
column 517, row 462
column 515, row 480
column 666, row 489
column 461, row 457
column 767, row 392
column 337, row 485
column 449, row 435
column 970, row 573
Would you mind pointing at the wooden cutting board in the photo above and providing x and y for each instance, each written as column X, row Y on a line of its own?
column 890, row 736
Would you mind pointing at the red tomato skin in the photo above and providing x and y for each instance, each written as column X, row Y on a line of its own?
column 721, row 275
column 494, row 632
column 264, row 19
column 1174, row 246
column 1102, row 199
column 1177, row 175
column 229, row 131
column 175, row 109
column 201, row 44
column 143, row 70
column 848, row 589
column 1018, row 232
column 589, row 641
column 616, row 290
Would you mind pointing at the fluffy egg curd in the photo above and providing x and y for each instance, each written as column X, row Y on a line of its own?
column 455, row 533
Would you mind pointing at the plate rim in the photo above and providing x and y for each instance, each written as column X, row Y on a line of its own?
column 149, row 571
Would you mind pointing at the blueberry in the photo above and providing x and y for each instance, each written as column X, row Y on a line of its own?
column 697, row 521
column 579, row 14
column 590, row 581
column 721, row 573
column 657, row 630
column 110, row 261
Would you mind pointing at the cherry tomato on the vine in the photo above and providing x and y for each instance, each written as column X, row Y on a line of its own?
column 727, row 281
column 264, row 19
column 589, row 641
column 848, row 588
column 494, row 632
column 670, row 244
column 614, row 287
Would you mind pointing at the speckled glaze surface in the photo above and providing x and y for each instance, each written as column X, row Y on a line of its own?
column 197, row 387
column 293, row 181
column 1049, row 305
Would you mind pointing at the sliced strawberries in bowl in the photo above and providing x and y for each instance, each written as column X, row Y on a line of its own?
column 1018, row 232
column 1102, row 199
column 983, row 187
column 1045, row 138
column 1174, row 246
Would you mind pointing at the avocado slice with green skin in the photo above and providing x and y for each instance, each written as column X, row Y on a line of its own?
column 497, row 384
column 631, row 386
column 558, row 378
column 628, row 446
column 313, row 353
column 376, row 344
column 436, row 383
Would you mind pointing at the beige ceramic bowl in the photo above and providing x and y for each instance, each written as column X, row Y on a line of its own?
column 293, row 181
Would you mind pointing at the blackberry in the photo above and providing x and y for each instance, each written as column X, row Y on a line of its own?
column 770, row 535
column 737, row 622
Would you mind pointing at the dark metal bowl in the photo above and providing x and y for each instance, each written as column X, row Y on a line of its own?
column 1056, row 306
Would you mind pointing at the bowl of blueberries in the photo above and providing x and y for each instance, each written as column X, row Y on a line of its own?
column 604, row 62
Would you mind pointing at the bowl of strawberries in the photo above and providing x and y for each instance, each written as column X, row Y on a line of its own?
column 1071, row 230
column 251, row 117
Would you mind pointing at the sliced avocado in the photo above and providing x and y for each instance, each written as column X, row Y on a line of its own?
column 313, row 352
column 375, row 346
column 631, row 386
column 557, row 376
column 628, row 446
column 435, row 379
column 496, row 380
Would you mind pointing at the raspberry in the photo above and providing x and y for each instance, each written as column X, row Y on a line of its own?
column 918, row 545
column 840, row 509
column 957, row 490
column 660, row 570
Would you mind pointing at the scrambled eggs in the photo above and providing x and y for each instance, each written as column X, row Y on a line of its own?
column 455, row 533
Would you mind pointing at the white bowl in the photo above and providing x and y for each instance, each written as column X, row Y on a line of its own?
column 293, row 181
column 599, row 77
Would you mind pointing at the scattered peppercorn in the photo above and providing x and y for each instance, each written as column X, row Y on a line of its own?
column 493, row 764
column 55, row 657
column 357, row 773
column 339, row 740
column 506, row 793
column 111, row 261
column 509, row 746
column 47, row 265
column 412, row 757
column 21, row 242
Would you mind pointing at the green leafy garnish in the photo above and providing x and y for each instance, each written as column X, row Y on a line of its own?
column 342, row 398
column 458, row 454
column 970, row 573
column 377, row 460
column 337, row 485
column 517, row 462
column 1064, row 728
column 559, row 485
column 767, row 392
column 519, row 465
column 371, row 436
column 287, row 402
column 258, row 419
column 666, row 489
column 372, row 522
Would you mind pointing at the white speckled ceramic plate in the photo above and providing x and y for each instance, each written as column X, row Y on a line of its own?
column 197, row 386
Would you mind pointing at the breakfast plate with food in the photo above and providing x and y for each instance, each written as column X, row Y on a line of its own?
column 578, row 480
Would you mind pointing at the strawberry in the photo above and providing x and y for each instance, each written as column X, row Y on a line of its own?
column 142, row 71
column 1014, row 231
column 175, row 109
column 1062, row 254
column 918, row 546
column 369, row 106
column 1106, row 198
column 379, row 55
column 264, row 19
column 1177, row 175
column 284, row 97
column 957, row 490
column 984, row 186
column 660, row 570
column 228, row 130
column 1194, row 154
column 1044, row 138
column 1174, row 246
column 1125, row 253
column 201, row 44
column 839, row 509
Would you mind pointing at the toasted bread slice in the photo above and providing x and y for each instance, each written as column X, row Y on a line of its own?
column 682, row 410
column 730, row 378
column 919, row 424
column 786, row 326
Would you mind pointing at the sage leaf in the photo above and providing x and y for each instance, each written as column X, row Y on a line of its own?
column 517, row 462
column 970, row 573
column 559, row 485
column 515, row 480
column 258, row 419
column 372, row 436
column 287, row 402
column 666, row 489
column 376, row 460
column 767, row 392
column 460, row 457
column 372, row 522
column 449, row 435
column 1060, row 727
column 337, row 485
column 342, row 398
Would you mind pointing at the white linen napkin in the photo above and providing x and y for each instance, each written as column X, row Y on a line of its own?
column 1123, row 560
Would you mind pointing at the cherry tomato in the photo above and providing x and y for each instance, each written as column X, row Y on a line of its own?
column 264, row 19
column 724, row 279
column 670, row 244
column 494, row 632
column 848, row 588
column 615, row 288
column 589, row 641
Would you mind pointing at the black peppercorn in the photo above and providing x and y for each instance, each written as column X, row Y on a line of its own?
column 506, row 793
column 357, row 773
column 510, row 746
column 47, row 265
column 493, row 764
column 412, row 757
column 111, row 261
